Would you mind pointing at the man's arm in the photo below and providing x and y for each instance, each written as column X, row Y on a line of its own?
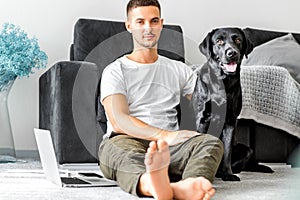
column 116, row 107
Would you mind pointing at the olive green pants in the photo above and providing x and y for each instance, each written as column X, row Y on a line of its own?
column 122, row 159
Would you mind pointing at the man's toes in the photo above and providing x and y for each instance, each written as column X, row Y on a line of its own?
column 162, row 145
column 152, row 147
column 206, row 185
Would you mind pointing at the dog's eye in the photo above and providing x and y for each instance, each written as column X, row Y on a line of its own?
column 238, row 41
column 219, row 42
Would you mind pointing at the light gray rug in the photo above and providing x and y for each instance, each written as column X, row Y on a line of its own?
column 25, row 180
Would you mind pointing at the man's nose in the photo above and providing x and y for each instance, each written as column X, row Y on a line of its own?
column 147, row 25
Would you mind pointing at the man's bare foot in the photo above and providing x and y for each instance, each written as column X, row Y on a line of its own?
column 155, row 182
column 193, row 189
column 158, row 156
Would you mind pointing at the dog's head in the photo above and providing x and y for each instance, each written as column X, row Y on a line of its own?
column 227, row 47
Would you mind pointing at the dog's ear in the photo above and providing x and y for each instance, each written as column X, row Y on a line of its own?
column 205, row 46
column 247, row 44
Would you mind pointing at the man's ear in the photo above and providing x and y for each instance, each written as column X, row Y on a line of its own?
column 128, row 26
column 206, row 46
column 162, row 22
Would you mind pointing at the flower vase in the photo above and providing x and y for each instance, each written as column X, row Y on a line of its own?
column 7, row 147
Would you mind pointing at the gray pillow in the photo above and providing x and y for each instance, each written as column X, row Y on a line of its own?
column 283, row 51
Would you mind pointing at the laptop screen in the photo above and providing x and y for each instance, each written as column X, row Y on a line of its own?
column 47, row 155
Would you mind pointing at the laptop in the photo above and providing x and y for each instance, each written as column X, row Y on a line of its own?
column 51, row 170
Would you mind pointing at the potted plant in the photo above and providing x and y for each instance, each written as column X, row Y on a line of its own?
column 19, row 55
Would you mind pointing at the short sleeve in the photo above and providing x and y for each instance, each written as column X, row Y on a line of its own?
column 112, row 81
column 189, row 80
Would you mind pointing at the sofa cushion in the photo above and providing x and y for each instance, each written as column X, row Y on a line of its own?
column 88, row 33
column 283, row 51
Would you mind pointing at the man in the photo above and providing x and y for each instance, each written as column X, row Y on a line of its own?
column 143, row 148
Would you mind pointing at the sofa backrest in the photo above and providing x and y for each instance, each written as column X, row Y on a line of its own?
column 260, row 36
column 95, row 40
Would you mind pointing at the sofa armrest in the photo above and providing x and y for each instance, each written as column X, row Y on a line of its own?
column 68, row 106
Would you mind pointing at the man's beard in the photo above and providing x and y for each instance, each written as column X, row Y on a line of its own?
column 145, row 44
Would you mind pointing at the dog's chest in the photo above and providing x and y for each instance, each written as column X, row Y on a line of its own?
column 222, row 89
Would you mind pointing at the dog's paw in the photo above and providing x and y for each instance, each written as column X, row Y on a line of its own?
column 255, row 167
column 263, row 169
column 230, row 177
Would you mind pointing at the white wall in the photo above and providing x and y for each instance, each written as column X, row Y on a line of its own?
column 52, row 21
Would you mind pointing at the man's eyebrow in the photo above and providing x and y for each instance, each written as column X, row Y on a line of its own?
column 154, row 18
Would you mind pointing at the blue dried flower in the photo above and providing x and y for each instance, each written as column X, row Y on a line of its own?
column 18, row 54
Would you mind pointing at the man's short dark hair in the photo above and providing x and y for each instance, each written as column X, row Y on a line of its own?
column 139, row 3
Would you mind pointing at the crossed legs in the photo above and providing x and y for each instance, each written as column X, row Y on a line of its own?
column 122, row 158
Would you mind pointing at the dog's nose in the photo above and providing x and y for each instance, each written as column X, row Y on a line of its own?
column 230, row 53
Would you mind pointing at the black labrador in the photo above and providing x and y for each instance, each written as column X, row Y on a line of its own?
column 217, row 99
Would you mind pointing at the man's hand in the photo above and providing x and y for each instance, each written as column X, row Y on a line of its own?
column 177, row 137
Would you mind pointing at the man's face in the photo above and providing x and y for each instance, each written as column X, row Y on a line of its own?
column 145, row 24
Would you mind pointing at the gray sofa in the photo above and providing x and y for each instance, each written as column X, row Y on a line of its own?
column 69, row 94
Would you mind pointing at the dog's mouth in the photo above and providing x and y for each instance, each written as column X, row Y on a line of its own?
column 229, row 67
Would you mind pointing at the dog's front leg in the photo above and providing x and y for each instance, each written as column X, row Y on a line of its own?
column 228, row 139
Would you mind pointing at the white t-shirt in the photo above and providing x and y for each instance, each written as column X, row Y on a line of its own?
column 152, row 90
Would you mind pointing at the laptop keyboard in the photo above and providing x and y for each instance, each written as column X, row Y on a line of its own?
column 73, row 180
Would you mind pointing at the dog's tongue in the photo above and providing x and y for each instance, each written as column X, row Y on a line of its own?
column 231, row 67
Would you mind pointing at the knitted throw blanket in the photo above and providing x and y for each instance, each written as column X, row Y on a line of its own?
column 272, row 97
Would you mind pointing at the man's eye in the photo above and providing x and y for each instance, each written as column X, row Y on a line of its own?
column 155, row 21
column 219, row 42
